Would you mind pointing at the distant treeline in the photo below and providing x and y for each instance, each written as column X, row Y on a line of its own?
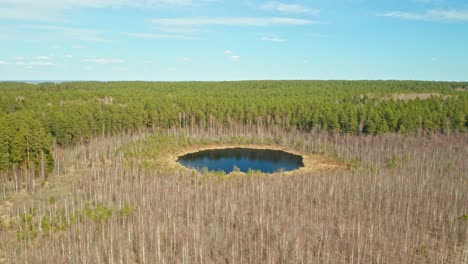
column 33, row 117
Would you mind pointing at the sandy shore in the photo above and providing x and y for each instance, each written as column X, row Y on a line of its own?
column 312, row 162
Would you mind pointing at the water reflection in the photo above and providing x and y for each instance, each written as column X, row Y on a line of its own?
column 226, row 160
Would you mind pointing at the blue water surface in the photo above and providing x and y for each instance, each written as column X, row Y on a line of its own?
column 264, row 160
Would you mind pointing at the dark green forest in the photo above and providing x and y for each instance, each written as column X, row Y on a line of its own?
column 36, row 117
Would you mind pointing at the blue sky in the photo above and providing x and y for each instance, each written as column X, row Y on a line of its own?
column 178, row 40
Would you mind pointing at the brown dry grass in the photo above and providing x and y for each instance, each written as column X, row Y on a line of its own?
column 404, row 203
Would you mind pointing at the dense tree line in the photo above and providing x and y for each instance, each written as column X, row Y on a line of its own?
column 33, row 117
column 24, row 141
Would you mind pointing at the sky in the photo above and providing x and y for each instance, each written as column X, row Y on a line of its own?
column 216, row 40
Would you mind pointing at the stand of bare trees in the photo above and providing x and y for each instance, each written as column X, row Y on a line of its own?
column 404, row 200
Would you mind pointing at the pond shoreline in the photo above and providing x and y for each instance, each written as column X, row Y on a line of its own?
column 312, row 162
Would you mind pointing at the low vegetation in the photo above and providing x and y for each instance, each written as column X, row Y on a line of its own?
column 84, row 175
column 403, row 201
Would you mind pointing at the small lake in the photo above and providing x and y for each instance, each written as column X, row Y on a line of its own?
column 264, row 160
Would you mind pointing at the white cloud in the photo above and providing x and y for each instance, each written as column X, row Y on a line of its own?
column 185, row 59
column 103, row 60
column 273, row 38
column 40, row 63
column 183, row 31
column 289, row 8
column 231, row 21
column 431, row 15
column 34, row 63
column 40, row 33
column 155, row 36
column 77, row 47
column 3, row 63
column 121, row 69
column 318, row 35
column 231, row 55
column 25, row 13
column 129, row 3
column 41, row 58
column 99, row 3
column 55, row 10
column 68, row 56
column 70, row 32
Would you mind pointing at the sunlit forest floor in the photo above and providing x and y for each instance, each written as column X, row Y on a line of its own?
column 401, row 199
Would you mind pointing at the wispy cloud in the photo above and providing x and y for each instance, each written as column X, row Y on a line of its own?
column 41, row 63
column 155, row 36
column 121, row 69
column 29, row 14
column 231, row 21
column 55, row 10
column 103, row 60
column 273, row 38
column 4, row 63
column 34, row 63
column 130, row 3
column 42, row 58
column 82, row 34
column 185, row 59
column 431, row 15
column 68, row 56
column 318, row 35
column 182, row 31
column 289, row 8
column 231, row 55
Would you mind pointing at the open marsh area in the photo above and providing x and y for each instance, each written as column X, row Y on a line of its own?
column 403, row 201
column 89, row 173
